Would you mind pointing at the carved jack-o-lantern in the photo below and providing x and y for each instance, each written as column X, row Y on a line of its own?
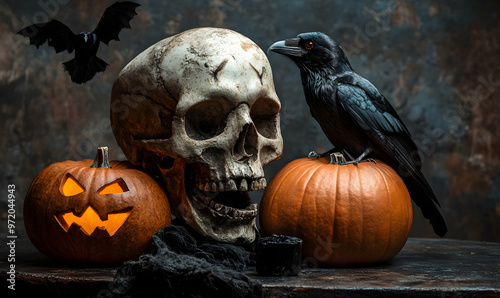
column 94, row 212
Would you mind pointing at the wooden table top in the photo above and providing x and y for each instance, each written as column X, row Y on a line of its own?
column 431, row 267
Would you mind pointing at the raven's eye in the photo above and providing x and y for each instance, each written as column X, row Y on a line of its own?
column 309, row 45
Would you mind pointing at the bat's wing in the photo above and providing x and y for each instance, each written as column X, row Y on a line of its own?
column 375, row 115
column 58, row 35
column 115, row 18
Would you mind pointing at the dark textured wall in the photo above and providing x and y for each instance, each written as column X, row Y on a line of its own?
column 437, row 62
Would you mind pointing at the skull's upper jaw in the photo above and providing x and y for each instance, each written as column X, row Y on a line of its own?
column 219, row 209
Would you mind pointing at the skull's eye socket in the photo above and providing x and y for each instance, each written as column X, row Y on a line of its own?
column 264, row 114
column 206, row 119
column 115, row 187
column 70, row 186
column 309, row 45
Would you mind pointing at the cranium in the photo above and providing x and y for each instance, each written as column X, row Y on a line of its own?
column 199, row 109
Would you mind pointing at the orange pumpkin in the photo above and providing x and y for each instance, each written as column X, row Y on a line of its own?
column 94, row 211
column 345, row 214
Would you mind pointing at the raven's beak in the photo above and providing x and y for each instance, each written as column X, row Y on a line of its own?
column 288, row 47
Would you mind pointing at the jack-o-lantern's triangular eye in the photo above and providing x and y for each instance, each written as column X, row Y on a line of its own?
column 71, row 186
column 115, row 187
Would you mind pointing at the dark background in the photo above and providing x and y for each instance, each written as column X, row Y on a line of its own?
column 436, row 62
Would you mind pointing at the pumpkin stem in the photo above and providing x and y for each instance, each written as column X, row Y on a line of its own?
column 101, row 159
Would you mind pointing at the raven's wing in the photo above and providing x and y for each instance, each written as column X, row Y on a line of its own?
column 59, row 36
column 115, row 18
column 371, row 111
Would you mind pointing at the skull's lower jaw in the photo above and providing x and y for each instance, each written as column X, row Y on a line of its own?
column 222, row 215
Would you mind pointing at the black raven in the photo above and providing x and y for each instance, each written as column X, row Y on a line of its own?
column 355, row 117
column 85, row 44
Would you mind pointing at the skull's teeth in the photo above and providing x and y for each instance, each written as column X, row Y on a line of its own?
column 233, row 213
column 222, row 185
column 218, row 207
column 262, row 183
column 221, row 210
column 255, row 184
column 243, row 185
column 232, row 185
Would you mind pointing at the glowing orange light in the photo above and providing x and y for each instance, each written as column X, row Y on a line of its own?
column 71, row 187
column 117, row 186
column 89, row 220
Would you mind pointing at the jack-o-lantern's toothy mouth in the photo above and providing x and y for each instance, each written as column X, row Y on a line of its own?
column 89, row 220
column 225, row 199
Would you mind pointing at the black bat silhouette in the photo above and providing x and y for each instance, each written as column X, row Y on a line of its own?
column 85, row 44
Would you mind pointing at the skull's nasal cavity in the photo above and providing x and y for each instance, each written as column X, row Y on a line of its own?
column 246, row 145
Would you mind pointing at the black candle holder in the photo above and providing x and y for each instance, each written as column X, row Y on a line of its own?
column 279, row 255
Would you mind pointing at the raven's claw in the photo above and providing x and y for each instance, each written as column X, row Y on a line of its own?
column 313, row 154
column 355, row 162
column 337, row 158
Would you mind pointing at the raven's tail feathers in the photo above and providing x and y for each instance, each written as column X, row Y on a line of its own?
column 83, row 72
column 420, row 195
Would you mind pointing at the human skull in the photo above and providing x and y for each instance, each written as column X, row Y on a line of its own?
column 199, row 109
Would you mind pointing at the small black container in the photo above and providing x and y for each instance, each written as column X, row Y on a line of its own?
column 279, row 255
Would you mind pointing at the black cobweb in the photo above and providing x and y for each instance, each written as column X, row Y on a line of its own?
column 182, row 264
